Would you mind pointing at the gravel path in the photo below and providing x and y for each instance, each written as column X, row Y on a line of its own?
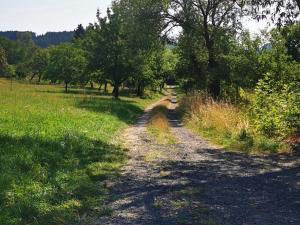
column 192, row 182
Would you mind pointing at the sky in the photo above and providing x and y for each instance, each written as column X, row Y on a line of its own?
column 41, row 16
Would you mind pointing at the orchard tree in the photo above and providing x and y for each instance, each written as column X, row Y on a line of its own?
column 111, row 50
column 119, row 45
column 66, row 64
column 39, row 63
column 143, row 27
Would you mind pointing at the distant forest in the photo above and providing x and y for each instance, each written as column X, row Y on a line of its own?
column 43, row 41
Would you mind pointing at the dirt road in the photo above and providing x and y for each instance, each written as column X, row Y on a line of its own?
column 192, row 182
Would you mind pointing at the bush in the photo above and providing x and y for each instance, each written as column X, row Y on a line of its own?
column 276, row 105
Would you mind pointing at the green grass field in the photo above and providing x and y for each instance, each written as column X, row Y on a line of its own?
column 57, row 151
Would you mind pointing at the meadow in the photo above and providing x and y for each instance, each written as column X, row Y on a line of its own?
column 59, row 151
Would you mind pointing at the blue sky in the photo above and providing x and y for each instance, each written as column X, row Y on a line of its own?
column 41, row 16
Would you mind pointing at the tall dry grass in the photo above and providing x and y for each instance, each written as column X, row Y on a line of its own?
column 224, row 124
column 159, row 126
column 221, row 116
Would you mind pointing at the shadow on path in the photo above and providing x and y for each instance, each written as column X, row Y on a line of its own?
column 200, row 184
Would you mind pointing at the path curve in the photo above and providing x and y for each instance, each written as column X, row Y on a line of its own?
column 192, row 182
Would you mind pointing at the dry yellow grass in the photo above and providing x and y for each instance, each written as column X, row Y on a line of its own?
column 226, row 125
column 220, row 116
column 159, row 126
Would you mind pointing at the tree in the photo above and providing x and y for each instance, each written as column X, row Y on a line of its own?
column 141, row 22
column 243, row 62
column 15, row 52
column 292, row 36
column 67, row 64
column 169, row 63
column 280, row 11
column 120, row 45
column 28, row 48
column 39, row 63
column 79, row 32
column 110, row 53
column 208, row 20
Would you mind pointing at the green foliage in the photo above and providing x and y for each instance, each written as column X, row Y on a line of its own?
column 243, row 61
column 39, row 63
column 112, row 50
column 79, row 31
column 292, row 36
column 67, row 64
column 277, row 105
column 15, row 53
column 122, row 46
column 277, row 95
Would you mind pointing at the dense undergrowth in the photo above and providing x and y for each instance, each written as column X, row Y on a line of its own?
column 228, row 125
column 57, row 152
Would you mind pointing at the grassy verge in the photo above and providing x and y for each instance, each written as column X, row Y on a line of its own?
column 226, row 125
column 58, row 151
column 159, row 126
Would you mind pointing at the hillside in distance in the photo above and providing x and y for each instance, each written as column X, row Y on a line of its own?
column 45, row 40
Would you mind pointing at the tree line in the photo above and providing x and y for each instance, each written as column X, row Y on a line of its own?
column 44, row 40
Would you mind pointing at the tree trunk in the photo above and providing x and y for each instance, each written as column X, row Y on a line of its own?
column 66, row 87
column 92, row 85
column 116, row 91
column 33, row 75
column 162, row 85
column 100, row 86
column 40, row 77
column 105, row 86
column 298, row 3
column 140, row 89
column 215, row 88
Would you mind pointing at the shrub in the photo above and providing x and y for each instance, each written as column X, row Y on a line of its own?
column 276, row 105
